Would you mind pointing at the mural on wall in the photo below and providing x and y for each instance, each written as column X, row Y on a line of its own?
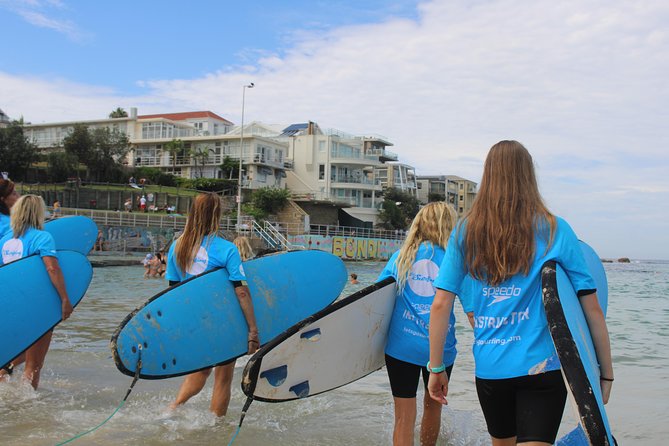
column 133, row 238
column 350, row 248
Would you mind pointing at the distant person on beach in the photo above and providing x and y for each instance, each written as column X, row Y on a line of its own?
column 162, row 264
column 244, row 247
column 132, row 180
column 147, row 264
column 56, row 209
column 8, row 196
column 500, row 246
column 354, row 279
column 196, row 251
column 128, row 205
column 142, row 203
column 415, row 268
column 99, row 242
column 26, row 238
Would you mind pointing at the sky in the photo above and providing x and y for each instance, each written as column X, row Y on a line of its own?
column 582, row 84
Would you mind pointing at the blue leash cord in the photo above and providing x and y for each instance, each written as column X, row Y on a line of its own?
column 125, row 398
column 247, row 404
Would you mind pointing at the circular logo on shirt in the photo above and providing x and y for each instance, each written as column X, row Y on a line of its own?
column 200, row 262
column 421, row 277
column 12, row 250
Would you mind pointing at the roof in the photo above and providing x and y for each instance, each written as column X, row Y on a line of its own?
column 294, row 129
column 186, row 115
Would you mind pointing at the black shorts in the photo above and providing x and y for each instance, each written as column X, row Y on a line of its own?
column 404, row 377
column 527, row 407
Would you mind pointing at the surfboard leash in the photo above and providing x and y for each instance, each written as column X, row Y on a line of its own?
column 247, row 404
column 138, row 368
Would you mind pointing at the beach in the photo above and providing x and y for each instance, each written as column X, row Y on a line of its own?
column 81, row 387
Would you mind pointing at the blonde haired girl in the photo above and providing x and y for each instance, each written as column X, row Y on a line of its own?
column 244, row 247
column 499, row 250
column 414, row 268
column 196, row 251
column 26, row 238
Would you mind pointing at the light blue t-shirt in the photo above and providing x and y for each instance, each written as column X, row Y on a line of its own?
column 409, row 327
column 511, row 336
column 32, row 242
column 214, row 252
column 4, row 225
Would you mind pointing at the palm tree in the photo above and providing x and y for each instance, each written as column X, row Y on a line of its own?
column 201, row 155
column 175, row 147
column 118, row 113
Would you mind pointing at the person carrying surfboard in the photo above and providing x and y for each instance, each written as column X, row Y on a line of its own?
column 407, row 350
column 196, row 251
column 26, row 238
column 500, row 248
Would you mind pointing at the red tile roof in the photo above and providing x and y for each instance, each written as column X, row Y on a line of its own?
column 186, row 115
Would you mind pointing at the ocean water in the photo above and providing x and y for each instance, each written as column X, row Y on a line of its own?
column 81, row 387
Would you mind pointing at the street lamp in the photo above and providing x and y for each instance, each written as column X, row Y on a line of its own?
column 241, row 151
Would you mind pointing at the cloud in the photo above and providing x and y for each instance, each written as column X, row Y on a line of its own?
column 39, row 13
column 581, row 83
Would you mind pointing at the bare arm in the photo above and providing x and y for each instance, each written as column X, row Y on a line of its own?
column 246, row 304
column 439, row 321
column 600, row 338
column 58, row 281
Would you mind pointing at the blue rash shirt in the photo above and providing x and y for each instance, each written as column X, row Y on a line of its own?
column 511, row 336
column 214, row 252
column 408, row 332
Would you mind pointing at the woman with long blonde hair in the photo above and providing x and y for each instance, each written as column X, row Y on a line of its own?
column 499, row 250
column 244, row 247
column 199, row 249
column 27, row 237
column 414, row 268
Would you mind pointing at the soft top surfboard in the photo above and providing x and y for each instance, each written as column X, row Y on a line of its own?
column 573, row 343
column 30, row 303
column 334, row 347
column 199, row 324
column 75, row 233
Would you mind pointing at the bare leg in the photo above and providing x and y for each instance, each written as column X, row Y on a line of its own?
column 220, row 397
column 191, row 387
column 35, row 359
column 431, row 422
column 511, row 441
column 15, row 363
column 405, row 420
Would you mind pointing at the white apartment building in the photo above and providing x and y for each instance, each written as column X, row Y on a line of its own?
column 335, row 167
column 207, row 140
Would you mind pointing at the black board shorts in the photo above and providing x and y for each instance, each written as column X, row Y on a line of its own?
column 526, row 407
column 404, row 377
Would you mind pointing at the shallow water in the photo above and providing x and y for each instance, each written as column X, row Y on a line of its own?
column 81, row 387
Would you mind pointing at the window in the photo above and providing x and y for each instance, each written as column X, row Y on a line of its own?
column 461, row 210
column 321, row 146
column 462, row 197
column 321, row 171
column 461, row 186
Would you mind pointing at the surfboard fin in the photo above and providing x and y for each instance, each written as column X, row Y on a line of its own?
column 311, row 335
column 301, row 389
column 275, row 376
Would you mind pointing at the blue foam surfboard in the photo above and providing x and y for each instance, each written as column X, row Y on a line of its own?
column 334, row 347
column 573, row 343
column 30, row 303
column 75, row 233
column 199, row 323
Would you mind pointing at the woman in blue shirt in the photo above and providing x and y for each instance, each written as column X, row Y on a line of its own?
column 500, row 249
column 197, row 250
column 415, row 267
column 25, row 239
column 8, row 196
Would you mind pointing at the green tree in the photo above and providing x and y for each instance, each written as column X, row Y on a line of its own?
column 266, row 201
column 79, row 144
column 230, row 167
column 109, row 148
column 435, row 196
column 16, row 152
column 118, row 113
column 61, row 166
column 201, row 156
column 399, row 209
column 175, row 148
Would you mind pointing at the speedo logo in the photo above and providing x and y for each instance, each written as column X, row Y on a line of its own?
column 499, row 294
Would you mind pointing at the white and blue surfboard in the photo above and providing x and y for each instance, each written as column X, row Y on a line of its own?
column 575, row 349
column 198, row 323
column 336, row 346
column 74, row 233
column 30, row 303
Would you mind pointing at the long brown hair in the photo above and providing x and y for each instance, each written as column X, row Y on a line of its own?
column 6, row 189
column 508, row 210
column 433, row 223
column 203, row 219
